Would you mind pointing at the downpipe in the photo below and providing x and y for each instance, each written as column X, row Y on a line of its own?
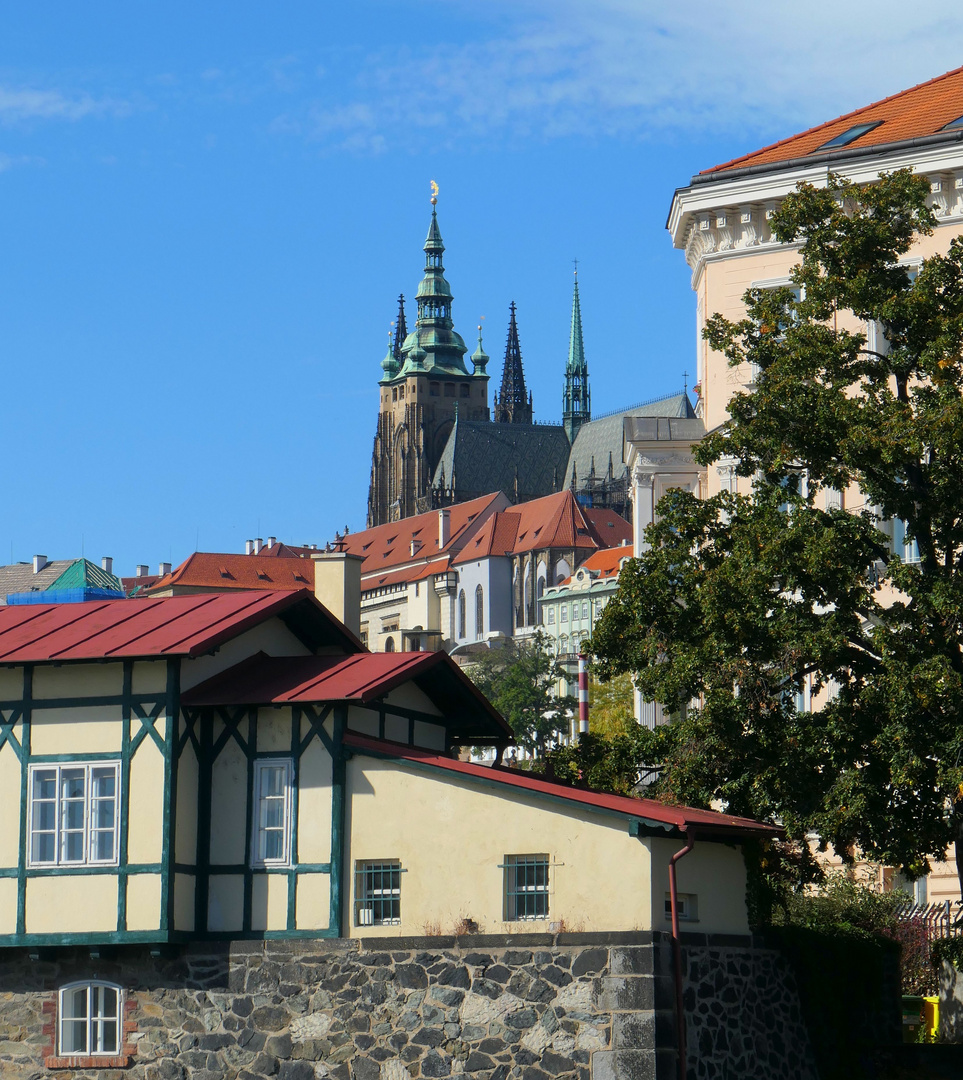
column 677, row 950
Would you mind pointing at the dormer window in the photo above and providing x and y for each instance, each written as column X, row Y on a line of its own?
column 848, row 136
column 953, row 125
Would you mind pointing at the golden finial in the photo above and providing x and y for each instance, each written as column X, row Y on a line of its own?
column 434, row 193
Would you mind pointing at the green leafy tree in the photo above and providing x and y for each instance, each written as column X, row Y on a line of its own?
column 521, row 679
column 743, row 597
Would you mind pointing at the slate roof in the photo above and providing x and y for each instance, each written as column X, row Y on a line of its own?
column 215, row 570
column 20, row 578
column 598, row 439
column 484, row 456
column 673, row 819
column 160, row 626
column 920, row 112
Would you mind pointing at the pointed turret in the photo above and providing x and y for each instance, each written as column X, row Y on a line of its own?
column 434, row 330
column 513, row 404
column 401, row 330
column 576, row 399
column 390, row 363
column 479, row 357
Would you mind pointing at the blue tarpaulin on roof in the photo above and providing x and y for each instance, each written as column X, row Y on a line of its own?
column 63, row 596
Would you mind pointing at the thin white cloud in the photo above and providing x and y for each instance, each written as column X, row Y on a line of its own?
column 24, row 104
column 635, row 69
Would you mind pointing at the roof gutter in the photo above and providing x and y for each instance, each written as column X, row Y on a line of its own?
column 853, row 154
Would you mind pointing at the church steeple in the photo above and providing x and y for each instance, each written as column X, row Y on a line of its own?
column 513, row 403
column 576, row 399
column 401, row 330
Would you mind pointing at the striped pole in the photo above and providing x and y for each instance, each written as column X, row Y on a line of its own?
column 582, row 694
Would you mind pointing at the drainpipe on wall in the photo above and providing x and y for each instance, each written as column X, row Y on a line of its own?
column 677, row 951
column 583, row 701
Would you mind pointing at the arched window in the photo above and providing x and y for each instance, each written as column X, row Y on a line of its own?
column 88, row 1018
column 479, row 612
column 390, row 645
column 461, row 613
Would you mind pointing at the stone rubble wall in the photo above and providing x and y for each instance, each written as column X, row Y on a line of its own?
column 522, row 1007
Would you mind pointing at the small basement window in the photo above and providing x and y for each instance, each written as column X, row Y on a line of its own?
column 688, row 907
column 377, row 892
column 848, row 136
column 89, row 1019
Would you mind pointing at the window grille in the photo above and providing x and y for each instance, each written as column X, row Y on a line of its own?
column 377, row 893
column 526, row 887
column 74, row 813
column 272, row 812
column 89, row 1019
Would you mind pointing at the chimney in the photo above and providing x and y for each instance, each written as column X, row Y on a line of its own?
column 337, row 585
column 444, row 527
column 248, row 547
column 258, row 544
column 164, row 568
column 272, row 540
column 143, row 570
column 39, row 562
column 107, row 564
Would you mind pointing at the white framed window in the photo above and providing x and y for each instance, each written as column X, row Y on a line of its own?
column 377, row 892
column 564, row 617
column 74, row 813
column 88, row 1019
column 687, row 904
column 271, row 834
column 526, row 887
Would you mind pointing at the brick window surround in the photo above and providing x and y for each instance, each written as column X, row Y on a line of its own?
column 96, row 1061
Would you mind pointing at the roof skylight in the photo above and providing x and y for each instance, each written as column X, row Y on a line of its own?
column 848, row 136
column 953, row 124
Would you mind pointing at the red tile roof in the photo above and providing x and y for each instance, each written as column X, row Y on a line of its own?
column 677, row 818
column 361, row 678
column 213, row 570
column 495, row 537
column 919, row 111
column 610, row 528
column 418, row 572
column 606, row 563
column 386, row 547
column 158, row 626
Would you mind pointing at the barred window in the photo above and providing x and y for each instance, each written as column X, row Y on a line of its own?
column 89, row 1019
column 526, row 887
column 377, row 893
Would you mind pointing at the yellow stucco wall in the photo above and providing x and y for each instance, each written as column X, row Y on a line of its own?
column 74, row 904
column 601, row 877
column 229, row 806
column 225, row 906
column 143, row 901
column 145, row 820
column 314, row 805
column 9, row 807
column 272, row 637
column 185, row 818
column 11, row 684
column 313, row 908
column 408, row 696
column 8, row 906
column 78, row 680
column 269, row 902
column 149, row 677
column 183, row 902
column 363, row 721
column 274, row 730
column 84, row 729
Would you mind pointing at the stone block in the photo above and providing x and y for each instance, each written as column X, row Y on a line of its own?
column 625, row 993
column 632, row 960
column 590, row 962
column 624, row 1065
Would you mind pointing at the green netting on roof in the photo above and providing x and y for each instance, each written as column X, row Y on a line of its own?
column 83, row 574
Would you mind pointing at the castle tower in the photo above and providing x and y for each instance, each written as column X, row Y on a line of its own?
column 576, row 399
column 513, row 404
column 424, row 385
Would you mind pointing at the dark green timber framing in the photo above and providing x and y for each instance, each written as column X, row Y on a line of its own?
column 139, row 716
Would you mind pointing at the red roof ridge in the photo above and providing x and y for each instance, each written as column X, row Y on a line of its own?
column 734, row 162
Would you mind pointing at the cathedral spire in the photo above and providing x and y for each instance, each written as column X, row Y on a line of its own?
column 513, row 403
column 576, row 399
column 401, row 329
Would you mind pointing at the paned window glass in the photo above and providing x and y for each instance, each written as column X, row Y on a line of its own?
column 272, row 812
column 89, row 1016
column 74, row 814
column 526, row 887
column 377, row 893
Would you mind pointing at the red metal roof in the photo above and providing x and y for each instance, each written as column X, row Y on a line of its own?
column 158, row 626
column 921, row 110
column 215, row 570
column 278, row 680
column 682, row 818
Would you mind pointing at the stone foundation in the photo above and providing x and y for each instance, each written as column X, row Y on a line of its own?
column 525, row 1007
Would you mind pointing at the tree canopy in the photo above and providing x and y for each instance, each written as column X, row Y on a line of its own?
column 744, row 600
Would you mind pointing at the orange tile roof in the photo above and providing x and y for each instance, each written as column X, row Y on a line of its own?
column 406, row 574
column 495, row 537
column 388, row 546
column 606, row 563
column 921, row 110
column 214, row 570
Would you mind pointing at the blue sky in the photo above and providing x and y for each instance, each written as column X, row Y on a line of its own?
column 208, row 210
